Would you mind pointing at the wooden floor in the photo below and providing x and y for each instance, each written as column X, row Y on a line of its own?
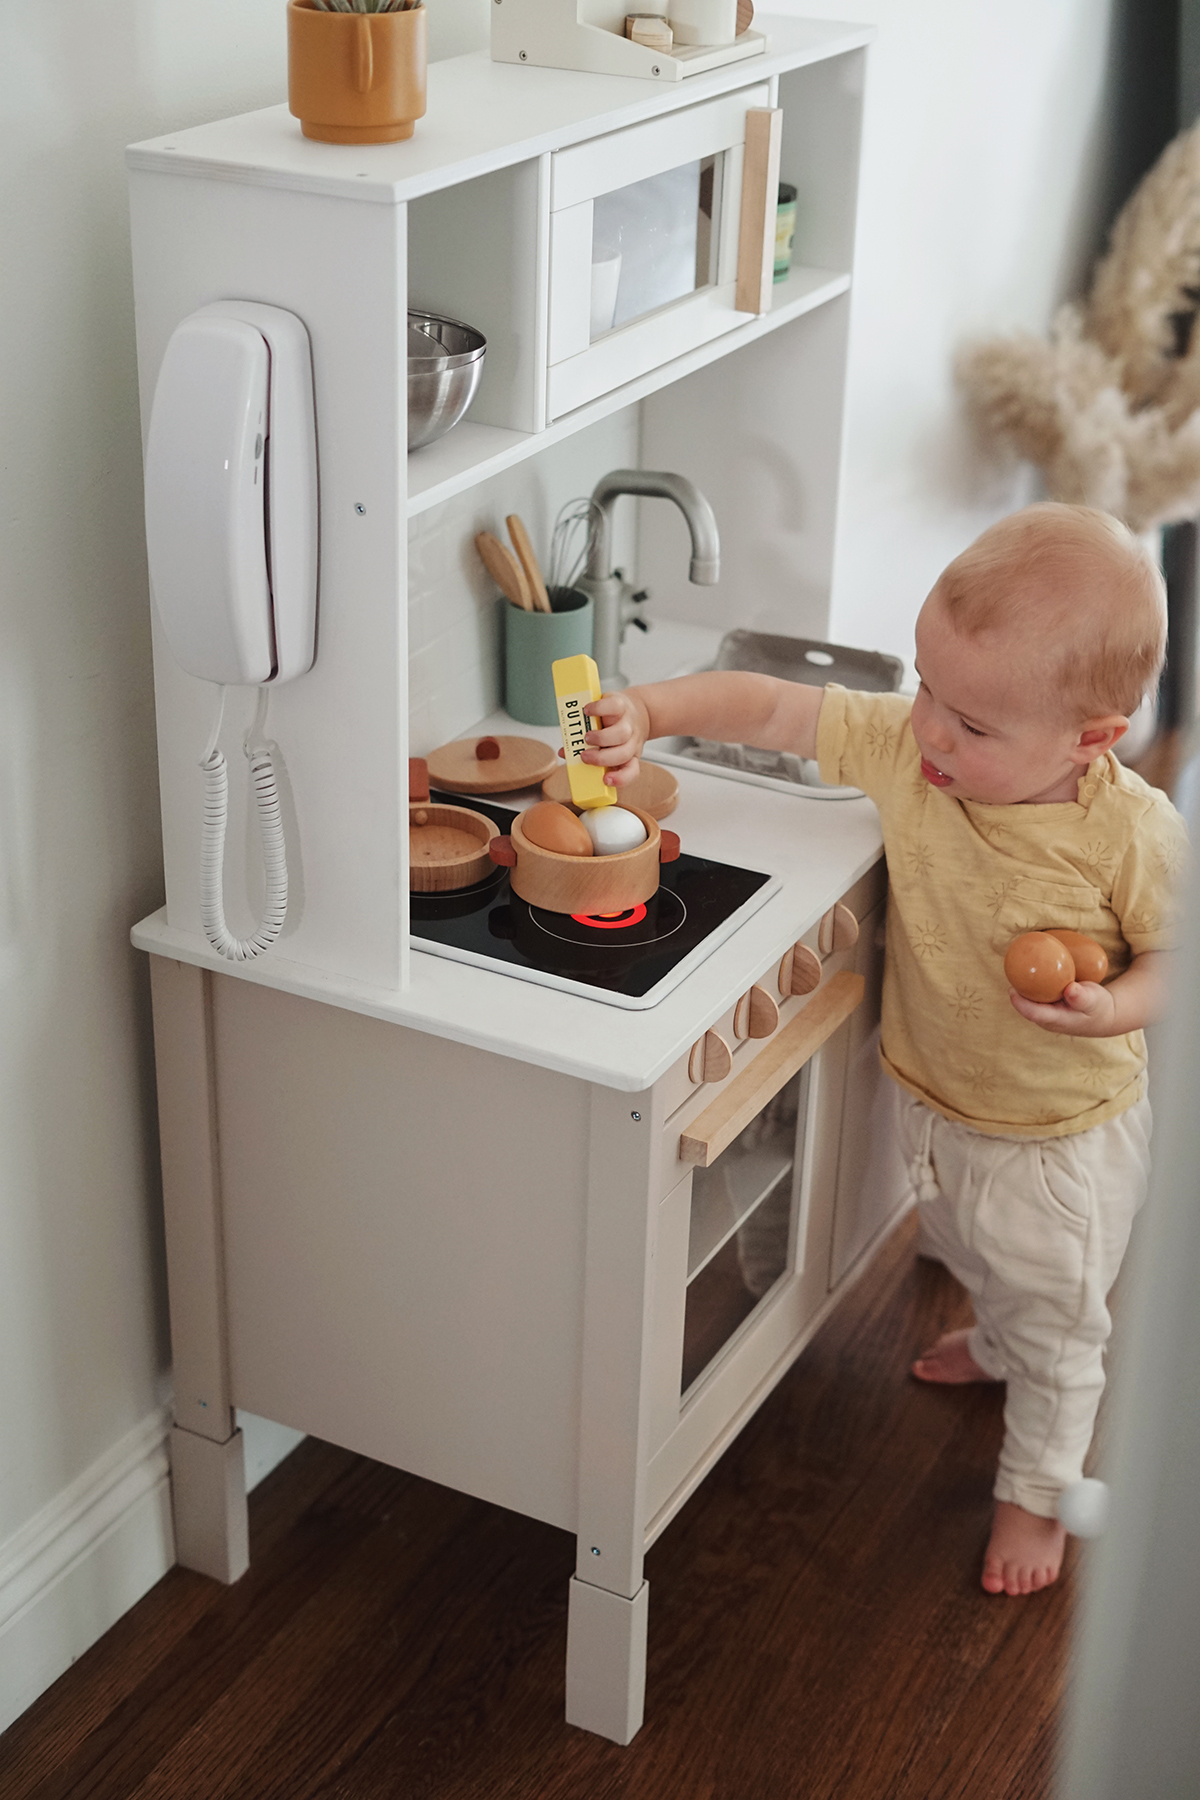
column 816, row 1624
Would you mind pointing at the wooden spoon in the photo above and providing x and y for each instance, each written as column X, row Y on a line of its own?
column 529, row 562
column 504, row 570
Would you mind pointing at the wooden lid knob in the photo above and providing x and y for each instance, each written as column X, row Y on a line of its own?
column 487, row 750
column 418, row 778
column 668, row 849
column 502, row 850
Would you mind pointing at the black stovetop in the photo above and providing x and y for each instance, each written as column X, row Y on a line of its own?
column 629, row 959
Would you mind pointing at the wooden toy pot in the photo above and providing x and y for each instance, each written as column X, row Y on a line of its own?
column 585, row 884
column 356, row 78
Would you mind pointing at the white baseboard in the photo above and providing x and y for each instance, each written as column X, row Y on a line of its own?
column 89, row 1555
column 82, row 1561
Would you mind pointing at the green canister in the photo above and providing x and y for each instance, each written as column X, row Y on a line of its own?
column 534, row 640
column 785, row 229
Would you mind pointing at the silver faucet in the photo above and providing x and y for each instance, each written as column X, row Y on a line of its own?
column 614, row 603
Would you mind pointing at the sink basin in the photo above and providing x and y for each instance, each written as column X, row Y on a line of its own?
column 788, row 659
column 741, row 762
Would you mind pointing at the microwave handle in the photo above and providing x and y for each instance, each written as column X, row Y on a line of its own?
column 717, row 1126
column 760, row 198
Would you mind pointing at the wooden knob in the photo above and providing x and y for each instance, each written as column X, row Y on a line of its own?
column 487, row 750
column 418, row 778
column 668, row 849
column 711, row 1058
column 839, row 930
column 502, row 850
column 757, row 1015
column 799, row 972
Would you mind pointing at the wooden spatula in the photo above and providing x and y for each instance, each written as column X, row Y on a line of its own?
column 504, row 570
column 529, row 562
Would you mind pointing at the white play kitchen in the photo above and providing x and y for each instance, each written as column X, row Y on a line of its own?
column 536, row 1200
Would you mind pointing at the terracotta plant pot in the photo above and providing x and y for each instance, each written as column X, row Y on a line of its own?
column 356, row 78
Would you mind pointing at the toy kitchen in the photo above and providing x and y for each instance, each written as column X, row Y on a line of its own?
column 536, row 1195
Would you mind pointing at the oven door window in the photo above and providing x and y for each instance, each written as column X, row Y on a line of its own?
column 654, row 242
column 742, row 1238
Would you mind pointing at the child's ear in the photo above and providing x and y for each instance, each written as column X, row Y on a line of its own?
column 1096, row 736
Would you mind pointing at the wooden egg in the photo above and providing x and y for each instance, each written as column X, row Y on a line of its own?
column 1039, row 967
column 1091, row 962
column 613, row 829
column 555, row 827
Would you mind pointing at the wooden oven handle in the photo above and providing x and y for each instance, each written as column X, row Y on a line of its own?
column 717, row 1126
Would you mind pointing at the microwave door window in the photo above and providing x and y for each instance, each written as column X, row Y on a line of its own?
column 652, row 244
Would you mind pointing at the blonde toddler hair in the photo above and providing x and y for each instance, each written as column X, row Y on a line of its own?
column 1082, row 593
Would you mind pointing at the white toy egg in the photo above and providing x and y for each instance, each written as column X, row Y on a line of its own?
column 613, row 828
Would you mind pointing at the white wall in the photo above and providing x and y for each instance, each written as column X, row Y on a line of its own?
column 83, row 1341
column 985, row 192
column 979, row 197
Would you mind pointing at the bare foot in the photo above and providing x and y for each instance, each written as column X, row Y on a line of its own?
column 1024, row 1552
column 950, row 1360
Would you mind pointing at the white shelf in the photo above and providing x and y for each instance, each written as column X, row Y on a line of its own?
column 481, row 116
column 471, row 453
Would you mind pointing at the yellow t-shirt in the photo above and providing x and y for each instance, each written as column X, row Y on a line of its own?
column 964, row 879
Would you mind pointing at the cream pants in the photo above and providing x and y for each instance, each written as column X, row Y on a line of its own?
column 1035, row 1229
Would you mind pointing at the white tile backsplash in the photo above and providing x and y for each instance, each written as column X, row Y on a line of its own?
column 454, row 619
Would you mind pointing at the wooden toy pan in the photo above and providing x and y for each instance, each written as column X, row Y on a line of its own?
column 585, row 884
column 447, row 845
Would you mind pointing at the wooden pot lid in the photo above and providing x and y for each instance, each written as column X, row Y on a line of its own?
column 490, row 765
column 655, row 791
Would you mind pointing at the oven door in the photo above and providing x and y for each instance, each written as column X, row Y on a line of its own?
column 644, row 246
column 745, row 1241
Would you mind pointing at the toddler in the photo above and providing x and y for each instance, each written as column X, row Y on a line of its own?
column 1003, row 810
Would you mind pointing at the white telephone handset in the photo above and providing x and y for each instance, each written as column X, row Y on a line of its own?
column 231, row 533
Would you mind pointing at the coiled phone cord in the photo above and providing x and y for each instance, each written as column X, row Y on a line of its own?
column 212, row 852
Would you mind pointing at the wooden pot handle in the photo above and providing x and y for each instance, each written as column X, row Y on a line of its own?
column 668, row 849
column 502, row 850
column 364, row 55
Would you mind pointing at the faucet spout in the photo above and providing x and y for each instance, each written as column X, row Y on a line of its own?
column 705, row 566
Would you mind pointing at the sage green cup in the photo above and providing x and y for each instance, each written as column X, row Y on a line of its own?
column 534, row 640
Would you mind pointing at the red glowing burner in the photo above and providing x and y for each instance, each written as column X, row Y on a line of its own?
column 618, row 921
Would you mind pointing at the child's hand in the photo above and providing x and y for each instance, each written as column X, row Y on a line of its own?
column 1085, row 1010
column 616, row 742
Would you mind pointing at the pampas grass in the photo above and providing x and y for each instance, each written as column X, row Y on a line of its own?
column 1108, row 407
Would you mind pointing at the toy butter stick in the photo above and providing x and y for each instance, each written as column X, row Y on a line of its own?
column 576, row 686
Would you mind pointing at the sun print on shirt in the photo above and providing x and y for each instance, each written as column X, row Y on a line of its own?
column 997, row 894
column 928, row 939
column 967, row 1003
column 1095, row 1074
column 880, row 741
column 1169, row 856
column 1098, row 856
column 919, row 859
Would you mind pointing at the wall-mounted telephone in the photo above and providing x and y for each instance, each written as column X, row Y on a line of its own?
column 231, row 534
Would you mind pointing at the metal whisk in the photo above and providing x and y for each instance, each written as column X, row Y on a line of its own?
column 574, row 530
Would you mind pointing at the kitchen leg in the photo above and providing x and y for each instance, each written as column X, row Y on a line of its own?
column 207, row 1466
column 606, row 1635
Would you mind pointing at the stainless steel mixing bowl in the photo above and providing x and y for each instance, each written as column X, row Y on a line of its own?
column 445, row 361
